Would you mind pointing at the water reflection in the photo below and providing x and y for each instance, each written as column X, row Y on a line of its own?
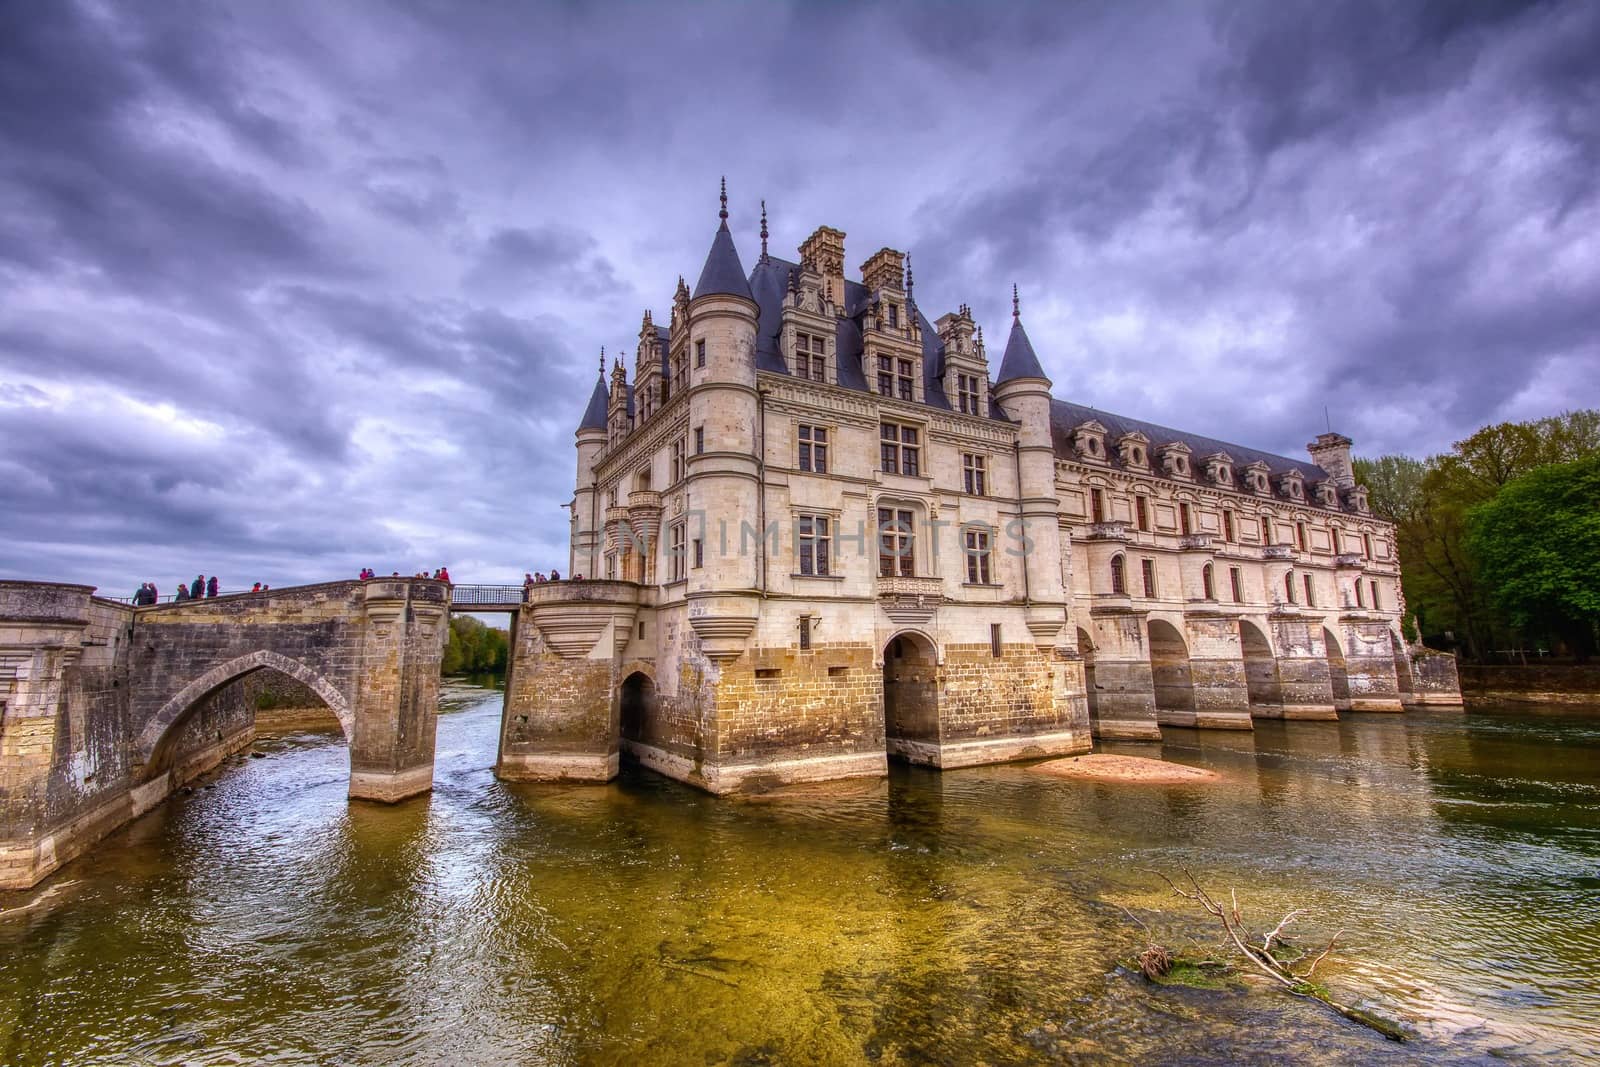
column 971, row 916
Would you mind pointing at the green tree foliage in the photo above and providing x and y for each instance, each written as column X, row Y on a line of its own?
column 1430, row 502
column 1537, row 546
column 474, row 648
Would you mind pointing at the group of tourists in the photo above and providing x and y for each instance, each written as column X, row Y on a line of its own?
column 538, row 578
column 440, row 575
column 199, row 589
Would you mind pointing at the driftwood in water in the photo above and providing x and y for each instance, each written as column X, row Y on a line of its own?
column 1262, row 959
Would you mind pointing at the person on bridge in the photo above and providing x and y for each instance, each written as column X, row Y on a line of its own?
column 183, row 593
column 444, row 575
column 211, row 586
column 555, row 575
column 198, row 589
column 527, row 579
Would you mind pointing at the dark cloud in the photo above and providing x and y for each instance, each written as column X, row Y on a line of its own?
column 290, row 289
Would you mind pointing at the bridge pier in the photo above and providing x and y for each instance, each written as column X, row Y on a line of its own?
column 395, row 709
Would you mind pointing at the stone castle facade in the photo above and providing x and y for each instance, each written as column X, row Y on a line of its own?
column 818, row 528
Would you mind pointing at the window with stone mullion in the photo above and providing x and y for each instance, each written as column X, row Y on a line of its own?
column 896, row 543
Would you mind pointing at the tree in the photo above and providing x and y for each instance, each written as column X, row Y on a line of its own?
column 1537, row 546
column 474, row 648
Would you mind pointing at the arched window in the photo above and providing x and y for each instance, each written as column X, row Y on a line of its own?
column 1288, row 585
column 1266, row 529
column 1119, row 583
column 1207, row 583
column 1361, row 601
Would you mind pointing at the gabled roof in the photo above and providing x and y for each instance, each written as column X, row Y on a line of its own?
column 1019, row 360
column 594, row 416
column 723, row 273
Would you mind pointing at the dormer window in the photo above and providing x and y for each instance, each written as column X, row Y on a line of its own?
column 967, row 394
column 894, row 316
column 1293, row 485
column 1175, row 459
column 1094, row 446
column 1132, row 446
column 811, row 356
column 895, row 377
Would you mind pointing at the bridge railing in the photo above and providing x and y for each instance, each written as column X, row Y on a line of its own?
column 497, row 596
column 172, row 598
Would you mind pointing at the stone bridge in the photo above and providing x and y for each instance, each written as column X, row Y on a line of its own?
column 106, row 708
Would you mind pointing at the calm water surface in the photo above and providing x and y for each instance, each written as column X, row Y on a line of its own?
column 967, row 917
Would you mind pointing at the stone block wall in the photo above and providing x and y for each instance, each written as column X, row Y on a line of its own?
column 1435, row 679
column 560, row 720
column 1027, row 702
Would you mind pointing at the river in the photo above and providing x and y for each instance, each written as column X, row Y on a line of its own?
column 974, row 916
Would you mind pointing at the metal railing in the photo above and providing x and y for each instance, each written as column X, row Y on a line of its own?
column 500, row 596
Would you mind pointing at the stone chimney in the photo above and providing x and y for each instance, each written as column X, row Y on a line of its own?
column 1331, row 452
column 824, row 251
column 885, row 270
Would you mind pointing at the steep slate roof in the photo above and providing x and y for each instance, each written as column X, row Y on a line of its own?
column 1019, row 360
column 1066, row 417
column 594, row 416
column 769, row 282
column 723, row 273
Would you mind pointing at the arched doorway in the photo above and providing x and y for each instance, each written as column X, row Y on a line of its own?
column 1338, row 673
column 1171, row 675
column 1260, row 672
column 1086, row 650
column 1402, row 668
column 638, row 706
column 910, row 695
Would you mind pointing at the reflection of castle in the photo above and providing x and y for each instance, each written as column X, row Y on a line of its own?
column 957, row 568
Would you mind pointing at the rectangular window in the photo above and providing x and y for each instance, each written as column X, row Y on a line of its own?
column 894, row 316
column 903, row 379
column 1227, row 526
column 1147, row 568
column 994, row 640
column 1207, row 588
column 1097, row 505
column 805, row 633
column 699, row 440
column 677, row 463
column 814, row 539
column 896, row 545
column 675, row 557
column 1311, row 596
column 1141, row 510
column 1375, row 605
column 1183, row 519
column 972, row 473
column 967, row 393
column 699, row 553
column 811, row 357
column 1361, row 600
column 813, row 449
column 611, row 565
column 976, row 545
column 885, row 376
column 1366, row 545
column 1288, row 586
column 680, row 373
column 1237, row 581
column 1266, row 530
column 699, row 353
column 1300, row 535
column 898, row 449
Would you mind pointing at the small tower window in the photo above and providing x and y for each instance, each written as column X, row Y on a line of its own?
column 1288, row 586
column 700, row 353
column 1147, row 570
column 1119, row 582
column 1207, row 583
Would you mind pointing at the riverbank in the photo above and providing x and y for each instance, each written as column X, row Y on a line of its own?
column 1570, row 685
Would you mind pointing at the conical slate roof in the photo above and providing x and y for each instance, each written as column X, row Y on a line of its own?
column 594, row 416
column 723, row 273
column 1019, row 360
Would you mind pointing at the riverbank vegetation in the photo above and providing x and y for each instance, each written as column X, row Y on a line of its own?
column 474, row 648
column 1497, row 537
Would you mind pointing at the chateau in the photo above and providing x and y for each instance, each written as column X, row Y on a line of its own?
column 818, row 528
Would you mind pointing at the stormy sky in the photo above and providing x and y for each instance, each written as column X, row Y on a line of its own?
column 292, row 288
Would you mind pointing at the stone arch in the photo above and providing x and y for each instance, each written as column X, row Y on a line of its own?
column 1086, row 650
column 1260, row 668
column 637, row 703
column 1338, row 672
column 179, row 704
column 910, row 695
column 1171, row 674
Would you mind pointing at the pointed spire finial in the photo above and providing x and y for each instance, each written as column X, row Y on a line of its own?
column 723, row 214
column 1016, row 303
column 910, row 281
column 602, row 361
column 763, row 231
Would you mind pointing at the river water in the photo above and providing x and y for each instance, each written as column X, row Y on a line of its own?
column 974, row 916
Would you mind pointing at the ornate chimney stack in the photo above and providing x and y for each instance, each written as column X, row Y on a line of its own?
column 823, row 251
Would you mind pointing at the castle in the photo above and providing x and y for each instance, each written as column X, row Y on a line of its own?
column 817, row 529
